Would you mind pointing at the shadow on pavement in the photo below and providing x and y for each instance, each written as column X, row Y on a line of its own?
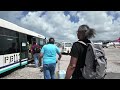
column 31, row 65
column 111, row 75
column 117, row 63
column 65, row 54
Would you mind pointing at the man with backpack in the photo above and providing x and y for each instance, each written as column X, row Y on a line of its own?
column 87, row 60
column 35, row 49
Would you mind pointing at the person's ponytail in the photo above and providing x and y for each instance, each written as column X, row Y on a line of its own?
column 90, row 33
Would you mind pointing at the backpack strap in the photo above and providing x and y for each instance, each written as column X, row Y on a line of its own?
column 82, row 43
column 91, row 44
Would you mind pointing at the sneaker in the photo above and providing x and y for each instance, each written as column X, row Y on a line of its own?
column 41, row 70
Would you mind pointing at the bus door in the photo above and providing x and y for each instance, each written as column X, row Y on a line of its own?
column 23, row 49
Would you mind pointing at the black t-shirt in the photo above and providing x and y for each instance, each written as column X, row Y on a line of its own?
column 79, row 51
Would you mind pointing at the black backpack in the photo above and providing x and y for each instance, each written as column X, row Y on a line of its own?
column 36, row 49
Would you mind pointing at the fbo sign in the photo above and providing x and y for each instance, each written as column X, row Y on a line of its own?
column 11, row 58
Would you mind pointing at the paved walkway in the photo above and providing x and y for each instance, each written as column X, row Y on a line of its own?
column 113, row 67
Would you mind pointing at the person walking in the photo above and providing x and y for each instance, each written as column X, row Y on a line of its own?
column 78, row 53
column 48, row 53
column 35, row 49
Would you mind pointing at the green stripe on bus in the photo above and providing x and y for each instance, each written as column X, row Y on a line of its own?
column 24, row 63
column 9, row 68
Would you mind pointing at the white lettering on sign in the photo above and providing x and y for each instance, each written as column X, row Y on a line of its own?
column 11, row 58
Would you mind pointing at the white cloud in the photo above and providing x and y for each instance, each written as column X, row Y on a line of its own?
column 58, row 25
column 52, row 23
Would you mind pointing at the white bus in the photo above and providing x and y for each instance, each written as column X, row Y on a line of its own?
column 66, row 47
column 15, row 43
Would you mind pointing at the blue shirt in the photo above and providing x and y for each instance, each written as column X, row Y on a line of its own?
column 49, row 52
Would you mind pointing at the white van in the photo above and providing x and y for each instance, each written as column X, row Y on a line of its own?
column 66, row 47
column 59, row 45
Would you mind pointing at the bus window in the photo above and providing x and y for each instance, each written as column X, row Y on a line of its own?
column 9, row 39
column 41, row 42
column 10, row 45
column 1, row 31
column 8, row 32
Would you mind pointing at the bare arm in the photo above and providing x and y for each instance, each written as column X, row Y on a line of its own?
column 41, row 55
column 59, row 53
column 71, row 67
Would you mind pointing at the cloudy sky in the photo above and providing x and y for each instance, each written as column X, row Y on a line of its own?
column 62, row 25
